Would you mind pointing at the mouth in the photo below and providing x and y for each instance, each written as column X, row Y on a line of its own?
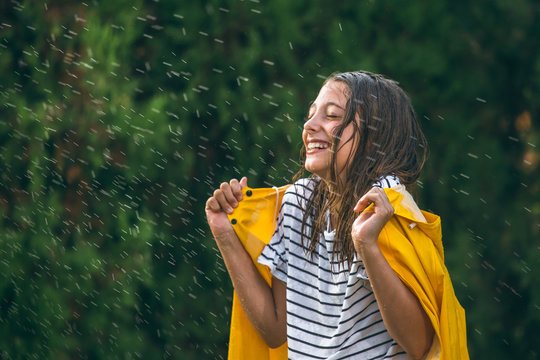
column 316, row 146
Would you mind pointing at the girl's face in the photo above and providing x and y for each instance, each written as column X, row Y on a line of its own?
column 325, row 114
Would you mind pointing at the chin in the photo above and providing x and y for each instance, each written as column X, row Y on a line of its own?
column 313, row 168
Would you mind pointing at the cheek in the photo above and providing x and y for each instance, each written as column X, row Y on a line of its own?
column 347, row 145
column 331, row 129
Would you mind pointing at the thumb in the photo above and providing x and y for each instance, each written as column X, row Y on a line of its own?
column 243, row 182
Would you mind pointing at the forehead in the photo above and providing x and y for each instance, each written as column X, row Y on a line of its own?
column 333, row 92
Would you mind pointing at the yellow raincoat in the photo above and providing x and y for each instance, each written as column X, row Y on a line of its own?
column 254, row 221
column 411, row 243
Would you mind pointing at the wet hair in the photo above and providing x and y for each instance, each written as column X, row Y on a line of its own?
column 387, row 140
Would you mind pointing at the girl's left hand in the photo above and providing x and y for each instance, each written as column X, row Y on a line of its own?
column 368, row 225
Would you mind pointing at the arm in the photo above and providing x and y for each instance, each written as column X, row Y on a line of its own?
column 264, row 306
column 401, row 311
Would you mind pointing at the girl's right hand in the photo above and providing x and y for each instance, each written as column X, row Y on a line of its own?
column 221, row 203
column 264, row 306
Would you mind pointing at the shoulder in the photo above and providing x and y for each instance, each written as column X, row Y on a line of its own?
column 388, row 181
column 301, row 189
column 297, row 195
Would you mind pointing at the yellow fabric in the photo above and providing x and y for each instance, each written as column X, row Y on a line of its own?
column 411, row 243
column 254, row 222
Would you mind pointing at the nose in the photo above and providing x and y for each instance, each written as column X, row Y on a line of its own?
column 313, row 124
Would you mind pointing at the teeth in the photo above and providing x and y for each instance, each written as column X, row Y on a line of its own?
column 316, row 145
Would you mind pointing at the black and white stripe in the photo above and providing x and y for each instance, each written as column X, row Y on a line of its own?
column 331, row 310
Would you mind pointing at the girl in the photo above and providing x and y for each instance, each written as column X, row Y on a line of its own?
column 333, row 294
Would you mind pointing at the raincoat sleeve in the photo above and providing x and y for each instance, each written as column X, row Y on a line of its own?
column 411, row 243
column 254, row 221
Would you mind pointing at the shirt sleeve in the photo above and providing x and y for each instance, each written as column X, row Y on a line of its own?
column 274, row 255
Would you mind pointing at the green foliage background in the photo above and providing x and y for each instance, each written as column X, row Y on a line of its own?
column 119, row 118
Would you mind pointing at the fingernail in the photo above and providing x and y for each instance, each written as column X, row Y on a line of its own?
column 229, row 210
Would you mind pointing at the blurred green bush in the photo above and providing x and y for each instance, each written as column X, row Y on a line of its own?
column 118, row 119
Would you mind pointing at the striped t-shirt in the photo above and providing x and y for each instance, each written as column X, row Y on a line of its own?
column 331, row 310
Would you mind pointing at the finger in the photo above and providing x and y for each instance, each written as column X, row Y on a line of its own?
column 360, row 205
column 381, row 203
column 364, row 202
column 243, row 182
column 236, row 189
column 374, row 195
column 223, row 202
column 212, row 205
column 227, row 191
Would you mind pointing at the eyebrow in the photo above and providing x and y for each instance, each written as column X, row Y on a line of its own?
column 328, row 104
column 336, row 105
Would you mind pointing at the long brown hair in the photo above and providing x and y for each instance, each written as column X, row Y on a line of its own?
column 388, row 140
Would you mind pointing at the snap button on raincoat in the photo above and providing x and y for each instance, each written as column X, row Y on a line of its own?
column 411, row 243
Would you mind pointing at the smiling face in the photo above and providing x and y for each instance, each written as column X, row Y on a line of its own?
column 378, row 136
column 326, row 114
